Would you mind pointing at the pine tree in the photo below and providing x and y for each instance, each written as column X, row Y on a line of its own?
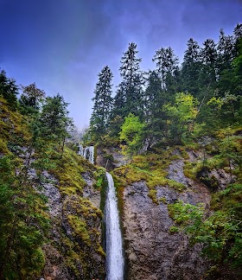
column 31, row 98
column 54, row 121
column 191, row 67
column 118, row 112
column 209, row 58
column 132, row 81
column 238, row 32
column 166, row 63
column 155, row 98
column 226, row 51
column 8, row 89
column 102, row 103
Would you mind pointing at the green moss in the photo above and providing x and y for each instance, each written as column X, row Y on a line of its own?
column 153, row 195
column 151, row 168
column 174, row 230
column 100, row 176
column 163, row 200
column 101, row 251
column 79, row 228
column 3, row 147
column 69, row 171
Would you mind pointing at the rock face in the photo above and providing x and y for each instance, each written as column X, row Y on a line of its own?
column 110, row 158
column 70, row 252
column 152, row 252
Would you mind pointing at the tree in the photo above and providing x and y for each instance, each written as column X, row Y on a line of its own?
column 102, row 103
column 132, row 81
column 118, row 112
column 226, row 51
column 191, row 68
column 166, row 63
column 8, row 89
column 31, row 98
column 131, row 133
column 182, row 115
column 209, row 58
column 23, row 223
column 238, row 32
column 54, row 121
column 155, row 118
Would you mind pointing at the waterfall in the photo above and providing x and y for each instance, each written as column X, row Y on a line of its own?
column 114, row 257
column 81, row 150
column 91, row 154
column 87, row 153
column 114, row 249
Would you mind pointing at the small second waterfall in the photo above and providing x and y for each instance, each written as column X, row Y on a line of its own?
column 114, row 251
column 87, row 153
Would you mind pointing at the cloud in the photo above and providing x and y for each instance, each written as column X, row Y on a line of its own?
column 62, row 45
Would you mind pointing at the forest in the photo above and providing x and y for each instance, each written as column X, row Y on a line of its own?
column 193, row 105
column 188, row 104
column 174, row 103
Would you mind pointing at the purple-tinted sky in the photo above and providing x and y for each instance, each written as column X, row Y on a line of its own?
column 63, row 44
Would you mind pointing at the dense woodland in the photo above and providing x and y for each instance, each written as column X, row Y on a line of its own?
column 187, row 105
column 174, row 102
column 175, row 105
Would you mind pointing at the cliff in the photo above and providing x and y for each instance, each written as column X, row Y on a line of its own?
column 54, row 201
column 148, row 186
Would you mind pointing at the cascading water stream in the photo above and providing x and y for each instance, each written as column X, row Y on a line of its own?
column 114, row 250
column 87, row 153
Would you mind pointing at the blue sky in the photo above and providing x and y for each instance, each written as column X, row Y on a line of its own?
column 62, row 45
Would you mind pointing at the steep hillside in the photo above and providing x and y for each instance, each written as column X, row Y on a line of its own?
column 50, row 207
column 160, row 195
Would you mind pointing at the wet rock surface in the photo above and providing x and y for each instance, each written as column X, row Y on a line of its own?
column 175, row 172
column 89, row 191
column 110, row 158
column 64, row 236
column 152, row 252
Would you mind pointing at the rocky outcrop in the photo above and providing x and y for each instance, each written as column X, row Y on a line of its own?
column 89, row 191
column 74, row 250
column 152, row 252
column 110, row 157
column 215, row 179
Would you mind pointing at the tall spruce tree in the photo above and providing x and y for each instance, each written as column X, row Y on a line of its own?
column 8, row 89
column 226, row 51
column 102, row 103
column 191, row 68
column 155, row 98
column 31, row 99
column 166, row 63
column 132, row 81
column 54, row 122
column 209, row 58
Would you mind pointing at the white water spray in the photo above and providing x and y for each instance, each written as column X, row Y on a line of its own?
column 114, row 257
column 87, row 153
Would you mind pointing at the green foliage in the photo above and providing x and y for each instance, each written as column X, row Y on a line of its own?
column 36, row 141
column 100, row 176
column 182, row 115
column 220, row 233
column 131, row 133
column 131, row 86
column 23, row 224
column 166, row 63
column 150, row 168
column 30, row 99
column 54, row 121
column 8, row 90
column 102, row 104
